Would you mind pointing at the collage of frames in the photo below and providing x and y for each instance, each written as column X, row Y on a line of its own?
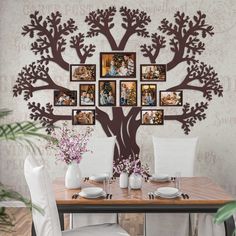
column 118, row 70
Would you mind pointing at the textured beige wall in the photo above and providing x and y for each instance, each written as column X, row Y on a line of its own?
column 217, row 151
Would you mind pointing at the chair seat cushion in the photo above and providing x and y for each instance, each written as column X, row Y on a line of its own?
column 98, row 230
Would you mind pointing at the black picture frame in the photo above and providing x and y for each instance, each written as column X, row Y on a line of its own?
column 94, row 95
column 63, row 103
column 82, row 66
column 150, row 110
column 113, row 92
column 120, row 95
column 105, row 67
column 152, row 80
column 83, row 110
column 161, row 103
column 141, row 95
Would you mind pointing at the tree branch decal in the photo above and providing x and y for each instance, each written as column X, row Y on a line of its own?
column 184, row 40
column 50, row 41
column 100, row 22
column 205, row 76
column 134, row 22
column 45, row 115
column 83, row 51
column 152, row 51
column 190, row 115
column 28, row 78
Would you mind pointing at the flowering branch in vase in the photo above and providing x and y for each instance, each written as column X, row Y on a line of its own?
column 68, row 144
column 132, row 164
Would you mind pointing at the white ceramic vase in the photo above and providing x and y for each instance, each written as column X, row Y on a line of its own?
column 73, row 176
column 124, row 180
column 135, row 181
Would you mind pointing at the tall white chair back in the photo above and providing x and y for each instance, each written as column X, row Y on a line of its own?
column 100, row 161
column 42, row 195
column 171, row 155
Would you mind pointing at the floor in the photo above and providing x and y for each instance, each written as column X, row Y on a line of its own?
column 133, row 223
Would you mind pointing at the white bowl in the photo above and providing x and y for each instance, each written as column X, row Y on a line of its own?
column 98, row 178
column 167, row 191
column 92, row 191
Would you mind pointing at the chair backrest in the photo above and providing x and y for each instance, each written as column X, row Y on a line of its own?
column 100, row 161
column 173, row 155
column 42, row 195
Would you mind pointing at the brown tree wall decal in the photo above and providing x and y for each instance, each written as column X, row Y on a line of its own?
column 134, row 22
column 185, row 42
column 29, row 78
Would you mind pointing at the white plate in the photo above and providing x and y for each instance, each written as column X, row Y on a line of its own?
column 102, row 194
column 155, row 179
column 98, row 178
column 167, row 191
column 92, row 191
column 163, row 196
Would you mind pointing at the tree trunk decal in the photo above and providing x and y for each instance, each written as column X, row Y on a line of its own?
column 124, row 127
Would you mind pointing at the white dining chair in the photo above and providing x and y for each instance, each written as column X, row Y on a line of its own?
column 100, row 161
column 171, row 155
column 47, row 223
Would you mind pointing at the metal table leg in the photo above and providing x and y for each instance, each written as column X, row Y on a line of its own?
column 61, row 218
column 229, row 226
column 33, row 233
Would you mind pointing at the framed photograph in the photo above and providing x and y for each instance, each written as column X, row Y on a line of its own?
column 152, row 117
column 171, row 98
column 87, row 94
column 82, row 72
column 153, row 72
column 148, row 95
column 83, row 117
column 118, row 65
column 128, row 93
column 107, row 93
column 65, row 98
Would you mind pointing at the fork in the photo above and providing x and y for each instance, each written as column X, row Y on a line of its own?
column 185, row 196
column 151, row 195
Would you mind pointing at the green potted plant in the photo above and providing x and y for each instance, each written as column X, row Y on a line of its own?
column 225, row 213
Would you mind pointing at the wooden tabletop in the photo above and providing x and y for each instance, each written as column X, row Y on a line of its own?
column 201, row 191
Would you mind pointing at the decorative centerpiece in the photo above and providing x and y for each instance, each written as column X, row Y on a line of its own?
column 70, row 147
column 131, row 172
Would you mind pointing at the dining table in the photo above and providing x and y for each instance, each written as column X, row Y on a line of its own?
column 204, row 196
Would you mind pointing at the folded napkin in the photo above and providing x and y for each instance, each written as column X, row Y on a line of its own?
column 160, row 178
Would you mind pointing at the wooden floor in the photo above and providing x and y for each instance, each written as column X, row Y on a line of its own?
column 132, row 223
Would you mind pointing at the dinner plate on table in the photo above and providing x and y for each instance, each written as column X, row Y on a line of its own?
column 92, row 191
column 102, row 194
column 167, row 192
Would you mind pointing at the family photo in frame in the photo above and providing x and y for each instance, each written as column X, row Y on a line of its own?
column 128, row 93
column 81, row 72
column 87, row 94
column 83, row 117
column 153, row 72
column 169, row 98
column 107, row 93
column 152, row 117
column 117, row 65
column 148, row 94
column 65, row 98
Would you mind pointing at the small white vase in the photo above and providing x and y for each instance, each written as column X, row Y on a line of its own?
column 135, row 181
column 73, row 176
column 124, row 180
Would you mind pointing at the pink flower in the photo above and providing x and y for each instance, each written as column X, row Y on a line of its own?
column 69, row 145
